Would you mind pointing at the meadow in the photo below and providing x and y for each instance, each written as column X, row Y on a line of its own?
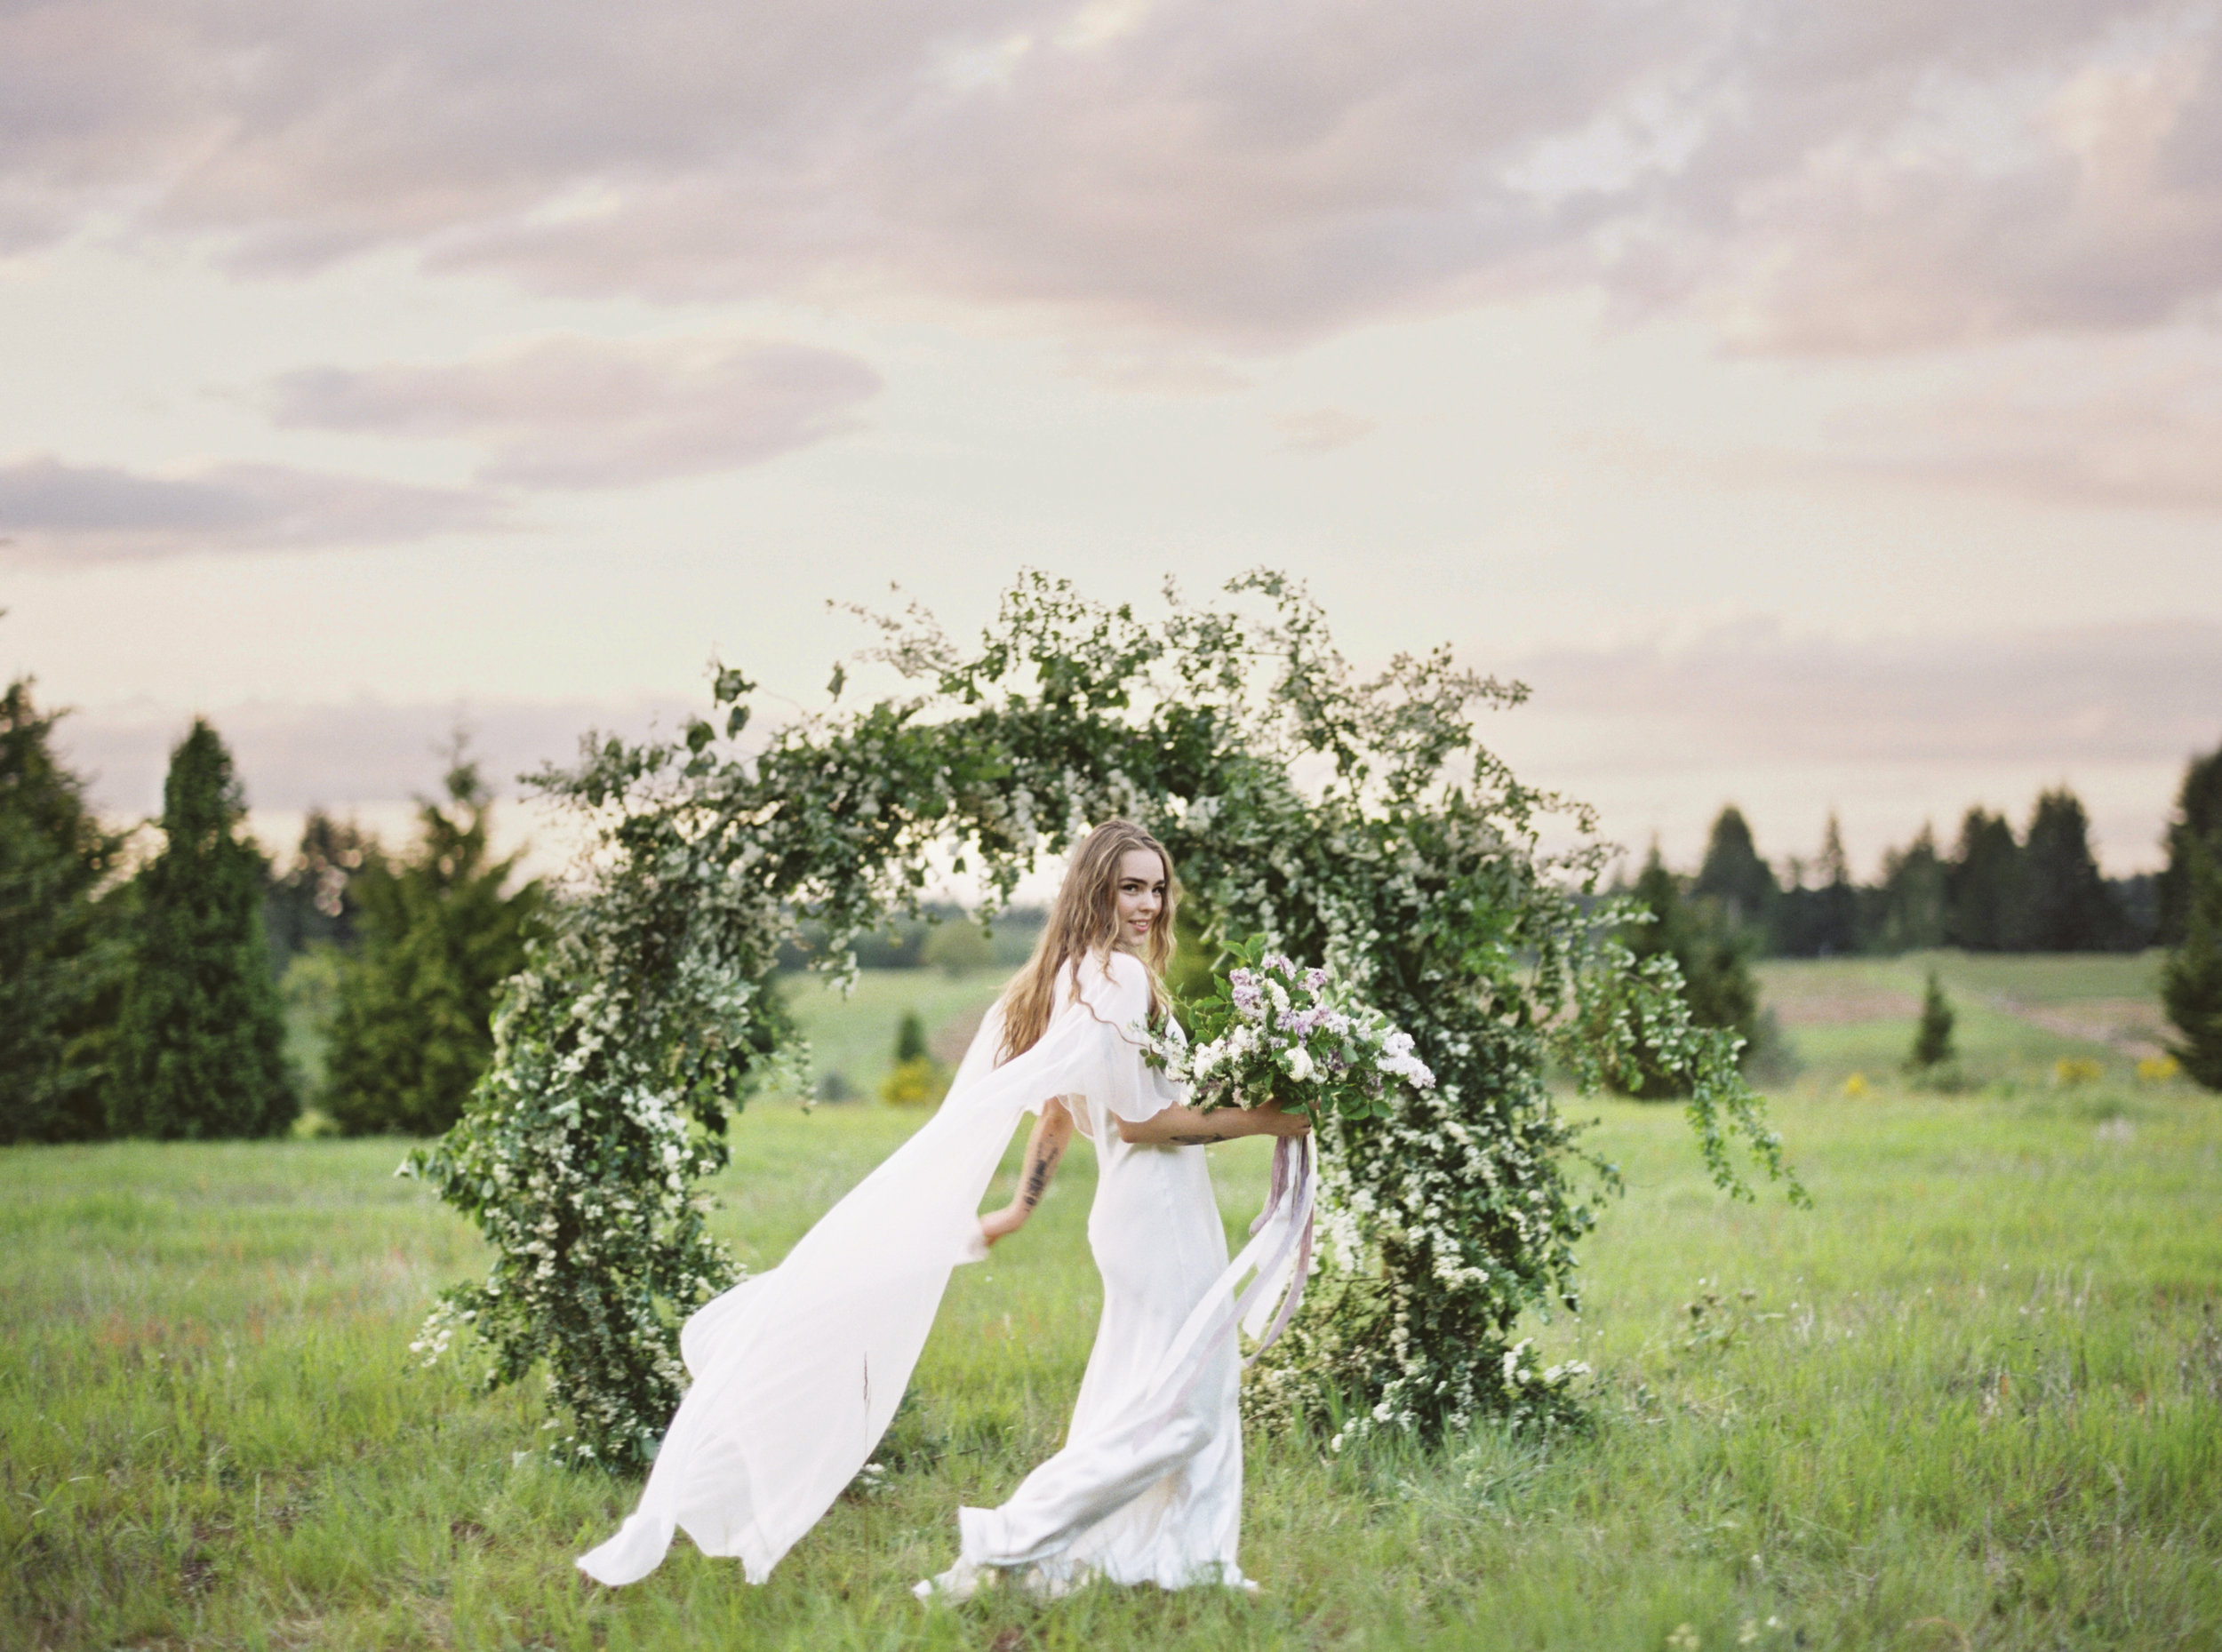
column 1972, row 1399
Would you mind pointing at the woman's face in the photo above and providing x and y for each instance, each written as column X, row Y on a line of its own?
column 1141, row 894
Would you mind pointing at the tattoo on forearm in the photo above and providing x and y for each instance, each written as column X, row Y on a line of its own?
column 1038, row 1179
column 1191, row 1141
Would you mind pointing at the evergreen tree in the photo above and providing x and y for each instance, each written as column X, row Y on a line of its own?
column 1734, row 876
column 60, row 949
column 438, row 937
column 2067, row 906
column 2198, row 820
column 1912, row 899
column 313, row 904
column 2190, row 985
column 200, row 1044
column 1983, row 886
column 1821, row 921
column 1709, row 952
column 1932, row 1038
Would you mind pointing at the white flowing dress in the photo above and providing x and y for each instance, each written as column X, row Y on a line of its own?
column 797, row 1371
column 1148, row 1487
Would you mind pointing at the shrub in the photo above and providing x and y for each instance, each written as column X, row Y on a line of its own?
column 1932, row 1038
column 916, row 1080
column 919, row 1082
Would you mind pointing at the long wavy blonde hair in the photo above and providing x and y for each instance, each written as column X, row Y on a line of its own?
column 1084, row 924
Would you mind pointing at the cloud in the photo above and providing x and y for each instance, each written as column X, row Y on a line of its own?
column 2098, row 694
column 292, row 757
column 55, row 512
column 2130, row 425
column 1321, row 430
column 1853, row 175
column 579, row 412
column 2151, row 439
column 1885, row 733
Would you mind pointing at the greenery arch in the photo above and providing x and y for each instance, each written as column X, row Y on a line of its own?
column 1360, row 821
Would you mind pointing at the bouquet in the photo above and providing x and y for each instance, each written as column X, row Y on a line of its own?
column 1270, row 1031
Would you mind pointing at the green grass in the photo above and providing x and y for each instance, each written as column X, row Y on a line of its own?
column 855, row 1036
column 2016, row 1017
column 1974, row 1397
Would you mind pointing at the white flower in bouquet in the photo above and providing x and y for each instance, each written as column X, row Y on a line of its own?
column 1273, row 1031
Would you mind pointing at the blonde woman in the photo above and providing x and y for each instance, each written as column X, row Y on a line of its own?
column 797, row 1371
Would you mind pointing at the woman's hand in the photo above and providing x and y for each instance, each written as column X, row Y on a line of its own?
column 1003, row 1223
column 1272, row 1122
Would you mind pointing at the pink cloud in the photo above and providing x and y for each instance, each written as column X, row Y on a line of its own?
column 1871, row 176
column 577, row 412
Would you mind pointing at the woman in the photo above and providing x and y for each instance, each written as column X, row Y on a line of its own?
column 797, row 1372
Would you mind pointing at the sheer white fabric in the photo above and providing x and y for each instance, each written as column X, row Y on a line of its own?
column 1148, row 1486
column 797, row 1371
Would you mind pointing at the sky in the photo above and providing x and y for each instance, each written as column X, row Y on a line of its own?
column 1817, row 403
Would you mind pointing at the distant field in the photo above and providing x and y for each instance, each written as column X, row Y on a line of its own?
column 1973, row 1398
column 855, row 1037
column 2017, row 1017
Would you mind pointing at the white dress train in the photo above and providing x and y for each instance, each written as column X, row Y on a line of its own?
column 798, row 1371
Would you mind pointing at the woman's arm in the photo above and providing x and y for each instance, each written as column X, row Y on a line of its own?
column 1044, row 1147
column 1187, row 1127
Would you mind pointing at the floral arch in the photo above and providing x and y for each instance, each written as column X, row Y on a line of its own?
column 1409, row 861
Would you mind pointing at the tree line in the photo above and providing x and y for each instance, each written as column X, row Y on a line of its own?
column 144, row 995
column 1993, row 890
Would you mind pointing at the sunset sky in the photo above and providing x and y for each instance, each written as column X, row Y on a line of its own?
column 1817, row 402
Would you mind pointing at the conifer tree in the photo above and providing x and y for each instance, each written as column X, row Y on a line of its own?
column 1983, row 886
column 60, row 951
column 2198, row 821
column 438, row 937
column 200, row 1046
column 910, row 1037
column 1932, row 1038
column 1717, row 978
column 1911, row 901
column 2068, row 905
column 2190, row 985
column 1734, row 875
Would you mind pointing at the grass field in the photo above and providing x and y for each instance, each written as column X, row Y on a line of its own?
column 1973, row 1398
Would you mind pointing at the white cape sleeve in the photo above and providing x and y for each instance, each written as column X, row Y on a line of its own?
column 797, row 1371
